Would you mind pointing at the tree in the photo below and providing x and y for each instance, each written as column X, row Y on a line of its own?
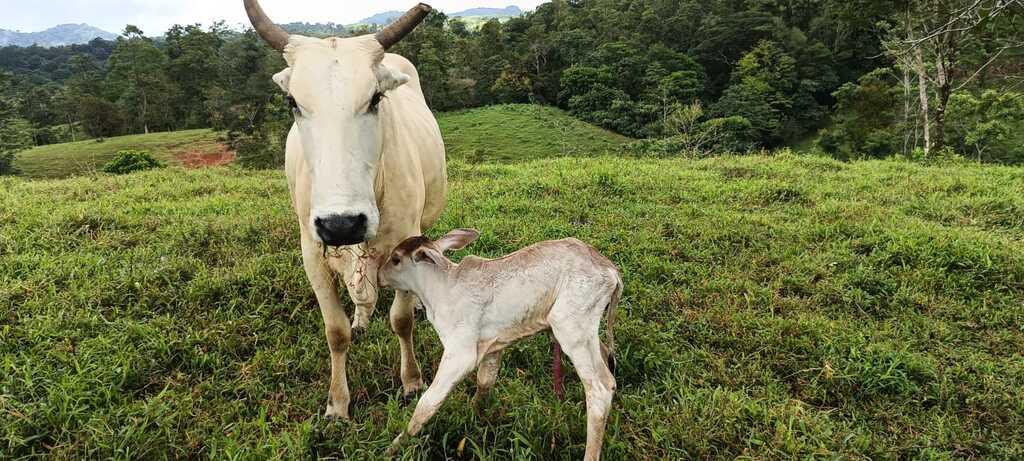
column 137, row 80
column 13, row 133
column 864, row 117
column 764, row 83
column 192, row 56
column 948, row 45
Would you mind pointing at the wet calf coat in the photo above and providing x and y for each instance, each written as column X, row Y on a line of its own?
column 480, row 306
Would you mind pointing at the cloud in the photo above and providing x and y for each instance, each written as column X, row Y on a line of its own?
column 155, row 16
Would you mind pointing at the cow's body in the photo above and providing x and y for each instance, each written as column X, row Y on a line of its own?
column 410, row 188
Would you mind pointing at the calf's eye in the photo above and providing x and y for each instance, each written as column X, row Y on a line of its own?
column 395, row 260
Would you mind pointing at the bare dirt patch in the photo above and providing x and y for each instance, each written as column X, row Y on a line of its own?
column 206, row 157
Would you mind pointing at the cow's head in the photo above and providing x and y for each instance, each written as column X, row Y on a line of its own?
column 337, row 89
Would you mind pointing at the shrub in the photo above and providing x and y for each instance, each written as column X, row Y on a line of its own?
column 129, row 161
column 987, row 127
column 7, row 164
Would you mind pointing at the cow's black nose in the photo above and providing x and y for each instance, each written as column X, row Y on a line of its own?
column 337, row 230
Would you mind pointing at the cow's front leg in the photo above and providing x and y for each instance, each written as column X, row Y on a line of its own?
column 336, row 326
column 403, row 322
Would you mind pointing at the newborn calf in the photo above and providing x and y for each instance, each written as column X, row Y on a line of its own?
column 480, row 306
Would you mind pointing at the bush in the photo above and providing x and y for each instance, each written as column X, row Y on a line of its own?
column 260, row 150
column 7, row 167
column 129, row 161
column 730, row 134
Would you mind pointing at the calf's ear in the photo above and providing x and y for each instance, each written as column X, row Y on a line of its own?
column 427, row 255
column 457, row 239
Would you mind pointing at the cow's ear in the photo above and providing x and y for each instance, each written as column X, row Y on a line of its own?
column 428, row 255
column 389, row 79
column 283, row 79
column 457, row 239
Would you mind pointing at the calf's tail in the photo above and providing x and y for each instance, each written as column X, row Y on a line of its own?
column 609, row 328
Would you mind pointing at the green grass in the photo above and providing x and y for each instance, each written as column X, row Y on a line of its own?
column 776, row 307
column 519, row 132
column 85, row 157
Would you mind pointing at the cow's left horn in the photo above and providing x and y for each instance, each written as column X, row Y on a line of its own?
column 273, row 34
column 397, row 30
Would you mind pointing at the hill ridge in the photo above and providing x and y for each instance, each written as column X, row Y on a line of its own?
column 59, row 35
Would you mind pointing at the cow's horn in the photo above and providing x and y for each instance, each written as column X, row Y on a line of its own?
column 274, row 35
column 397, row 30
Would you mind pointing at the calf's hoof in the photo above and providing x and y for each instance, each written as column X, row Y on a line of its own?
column 408, row 397
column 396, row 446
column 358, row 332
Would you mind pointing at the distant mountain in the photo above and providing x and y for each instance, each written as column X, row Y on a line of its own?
column 385, row 18
column 381, row 19
column 64, row 34
column 508, row 11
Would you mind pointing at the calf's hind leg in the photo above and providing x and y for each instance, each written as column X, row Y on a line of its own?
column 598, row 382
column 486, row 375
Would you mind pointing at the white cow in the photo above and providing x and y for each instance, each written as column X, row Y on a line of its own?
column 479, row 307
column 366, row 169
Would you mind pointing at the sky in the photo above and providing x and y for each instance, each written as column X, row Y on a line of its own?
column 156, row 16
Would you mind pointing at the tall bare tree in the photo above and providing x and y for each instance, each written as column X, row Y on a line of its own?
column 950, row 44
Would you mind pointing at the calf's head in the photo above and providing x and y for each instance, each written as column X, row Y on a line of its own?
column 413, row 262
column 337, row 91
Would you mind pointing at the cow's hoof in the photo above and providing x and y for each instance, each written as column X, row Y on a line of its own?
column 335, row 413
column 410, row 391
column 358, row 332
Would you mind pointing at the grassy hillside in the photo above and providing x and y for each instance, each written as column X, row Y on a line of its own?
column 497, row 133
column 776, row 307
column 520, row 132
column 83, row 157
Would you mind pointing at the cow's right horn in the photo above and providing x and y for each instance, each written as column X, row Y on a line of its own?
column 273, row 34
column 397, row 30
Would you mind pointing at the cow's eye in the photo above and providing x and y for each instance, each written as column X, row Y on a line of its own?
column 294, row 106
column 395, row 260
column 375, row 101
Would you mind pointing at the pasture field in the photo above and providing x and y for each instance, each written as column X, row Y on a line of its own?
column 776, row 307
column 89, row 156
column 506, row 133
column 520, row 132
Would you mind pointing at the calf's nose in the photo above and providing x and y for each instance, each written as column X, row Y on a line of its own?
column 338, row 230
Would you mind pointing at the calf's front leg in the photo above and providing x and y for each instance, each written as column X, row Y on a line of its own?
column 455, row 365
column 336, row 325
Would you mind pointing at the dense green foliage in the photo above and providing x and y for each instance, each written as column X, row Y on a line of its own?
column 767, row 73
column 131, row 161
column 776, row 307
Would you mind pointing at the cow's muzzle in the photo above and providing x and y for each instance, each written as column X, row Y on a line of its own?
column 340, row 230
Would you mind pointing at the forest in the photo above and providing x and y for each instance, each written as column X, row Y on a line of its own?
column 852, row 79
